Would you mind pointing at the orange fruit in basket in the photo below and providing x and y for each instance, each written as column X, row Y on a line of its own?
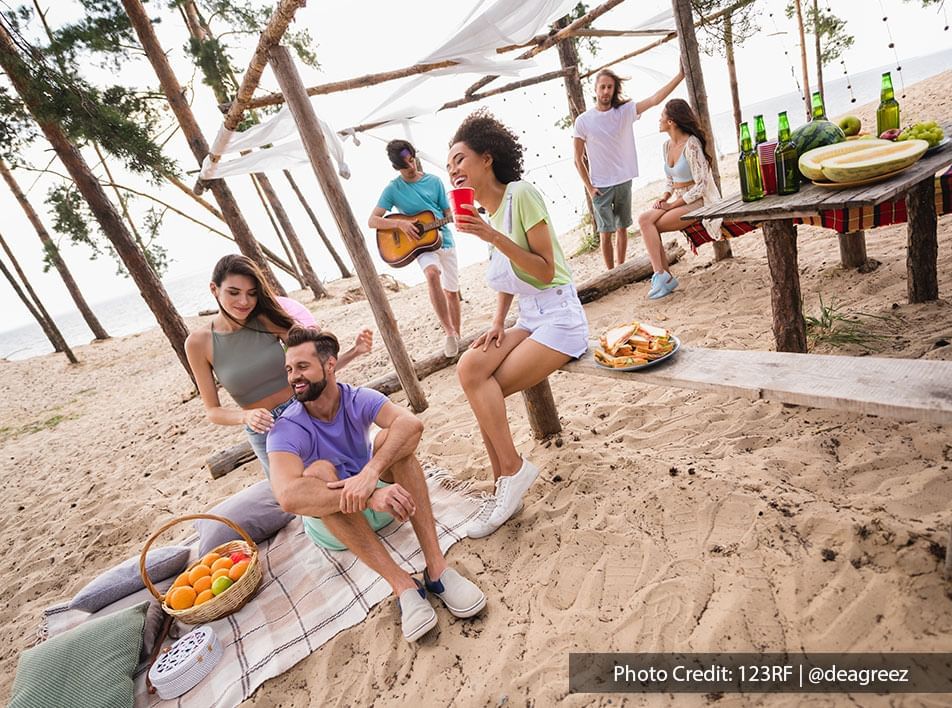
column 199, row 571
column 220, row 573
column 204, row 596
column 210, row 558
column 238, row 569
column 225, row 563
column 181, row 598
column 202, row 584
column 181, row 581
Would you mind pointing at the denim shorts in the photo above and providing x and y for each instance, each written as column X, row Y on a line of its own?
column 613, row 207
column 259, row 441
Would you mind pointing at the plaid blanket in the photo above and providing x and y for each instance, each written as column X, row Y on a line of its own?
column 842, row 221
column 307, row 596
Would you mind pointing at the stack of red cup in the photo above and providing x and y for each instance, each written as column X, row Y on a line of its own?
column 768, row 165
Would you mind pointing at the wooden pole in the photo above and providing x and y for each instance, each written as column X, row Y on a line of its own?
column 853, row 249
column 310, row 130
column 304, row 264
column 151, row 288
column 819, row 51
column 691, row 63
column 803, row 59
column 277, row 229
column 922, row 283
column 789, row 328
column 732, row 72
column 49, row 247
column 196, row 140
column 344, row 273
column 540, row 407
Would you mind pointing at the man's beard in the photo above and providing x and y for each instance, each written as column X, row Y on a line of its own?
column 312, row 392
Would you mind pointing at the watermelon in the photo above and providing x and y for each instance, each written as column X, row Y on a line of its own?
column 811, row 161
column 816, row 133
column 877, row 161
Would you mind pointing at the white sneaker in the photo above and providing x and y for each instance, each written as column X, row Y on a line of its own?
column 509, row 492
column 417, row 615
column 451, row 346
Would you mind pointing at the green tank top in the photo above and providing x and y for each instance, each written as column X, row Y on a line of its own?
column 248, row 363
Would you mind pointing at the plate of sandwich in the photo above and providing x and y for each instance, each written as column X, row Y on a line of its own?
column 633, row 346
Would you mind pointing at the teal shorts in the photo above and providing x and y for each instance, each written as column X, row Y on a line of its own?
column 613, row 207
column 318, row 532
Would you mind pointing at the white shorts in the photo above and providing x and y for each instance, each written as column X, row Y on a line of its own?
column 556, row 319
column 445, row 262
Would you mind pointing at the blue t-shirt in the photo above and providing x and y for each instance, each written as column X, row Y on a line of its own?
column 344, row 441
column 426, row 194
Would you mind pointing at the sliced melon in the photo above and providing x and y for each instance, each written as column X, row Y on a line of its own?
column 811, row 160
column 880, row 160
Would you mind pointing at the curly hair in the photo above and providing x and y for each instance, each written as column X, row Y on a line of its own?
column 484, row 134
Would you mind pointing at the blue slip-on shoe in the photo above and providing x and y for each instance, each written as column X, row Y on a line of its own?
column 667, row 287
column 656, row 279
column 418, row 616
column 461, row 597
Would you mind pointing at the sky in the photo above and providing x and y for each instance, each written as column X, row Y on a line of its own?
column 366, row 36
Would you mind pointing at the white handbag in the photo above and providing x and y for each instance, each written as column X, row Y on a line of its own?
column 186, row 663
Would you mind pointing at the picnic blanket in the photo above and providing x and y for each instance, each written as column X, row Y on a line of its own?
column 842, row 221
column 307, row 596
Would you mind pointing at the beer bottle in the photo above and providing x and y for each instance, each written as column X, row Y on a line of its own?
column 785, row 157
column 887, row 115
column 760, row 130
column 748, row 165
column 819, row 113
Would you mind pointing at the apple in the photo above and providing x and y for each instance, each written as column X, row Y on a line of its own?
column 890, row 134
column 221, row 584
column 850, row 125
column 237, row 557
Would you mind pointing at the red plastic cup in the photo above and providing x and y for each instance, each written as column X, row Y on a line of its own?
column 460, row 197
column 768, row 166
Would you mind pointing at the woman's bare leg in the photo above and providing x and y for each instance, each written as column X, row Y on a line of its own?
column 652, row 239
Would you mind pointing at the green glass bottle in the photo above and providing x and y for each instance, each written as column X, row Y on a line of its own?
column 819, row 112
column 887, row 115
column 748, row 165
column 760, row 130
column 785, row 157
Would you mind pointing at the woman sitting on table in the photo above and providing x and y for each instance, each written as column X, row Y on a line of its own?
column 244, row 348
column 689, row 185
column 526, row 260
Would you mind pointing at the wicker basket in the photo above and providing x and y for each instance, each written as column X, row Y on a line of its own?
column 234, row 598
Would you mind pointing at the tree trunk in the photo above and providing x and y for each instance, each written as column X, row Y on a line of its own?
column 853, row 249
column 49, row 329
column 691, row 63
column 124, row 207
column 53, row 253
column 803, row 58
column 789, row 328
column 304, row 265
column 196, row 140
column 109, row 220
column 568, row 58
column 344, row 273
column 541, row 410
column 922, row 283
column 277, row 229
column 819, row 51
column 293, row 90
column 732, row 72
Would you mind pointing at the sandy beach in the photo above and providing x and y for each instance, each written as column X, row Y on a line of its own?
column 663, row 519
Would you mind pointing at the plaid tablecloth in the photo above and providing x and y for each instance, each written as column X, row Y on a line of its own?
column 842, row 221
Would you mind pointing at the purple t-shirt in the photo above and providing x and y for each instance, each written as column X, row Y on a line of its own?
column 344, row 442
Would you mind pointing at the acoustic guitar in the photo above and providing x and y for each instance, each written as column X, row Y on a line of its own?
column 398, row 249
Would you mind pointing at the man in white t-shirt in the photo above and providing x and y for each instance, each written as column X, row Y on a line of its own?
column 606, row 160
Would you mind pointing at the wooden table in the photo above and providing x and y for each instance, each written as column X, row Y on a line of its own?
column 915, row 184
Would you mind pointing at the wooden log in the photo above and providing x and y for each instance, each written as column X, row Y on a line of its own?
column 344, row 273
column 722, row 250
column 49, row 328
column 803, row 60
column 629, row 272
column 221, row 463
column 641, row 50
column 540, row 407
column 277, row 229
column 789, row 328
column 922, row 282
column 853, row 249
column 290, row 82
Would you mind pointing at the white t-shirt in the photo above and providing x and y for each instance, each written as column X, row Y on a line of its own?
column 609, row 143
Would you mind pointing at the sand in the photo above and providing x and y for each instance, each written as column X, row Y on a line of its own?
column 663, row 519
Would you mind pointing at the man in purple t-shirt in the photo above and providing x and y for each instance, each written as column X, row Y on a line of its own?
column 323, row 466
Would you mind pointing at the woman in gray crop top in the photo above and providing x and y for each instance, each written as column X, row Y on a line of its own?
column 243, row 348
column 690, row 183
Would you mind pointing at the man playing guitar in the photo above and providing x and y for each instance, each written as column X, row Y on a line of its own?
column 410, row 193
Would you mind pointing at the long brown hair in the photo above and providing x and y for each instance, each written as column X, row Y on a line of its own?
column 266, row 304
column 617, row 98
column 679, row 111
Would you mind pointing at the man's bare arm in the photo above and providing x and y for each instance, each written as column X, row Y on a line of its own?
column 661, row 94
column 404, row 431
column 299, row 494
column 581, row 166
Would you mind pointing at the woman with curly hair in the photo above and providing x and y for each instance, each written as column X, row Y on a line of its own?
column 690, row 184
column 526, row 260
column 243, row 348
